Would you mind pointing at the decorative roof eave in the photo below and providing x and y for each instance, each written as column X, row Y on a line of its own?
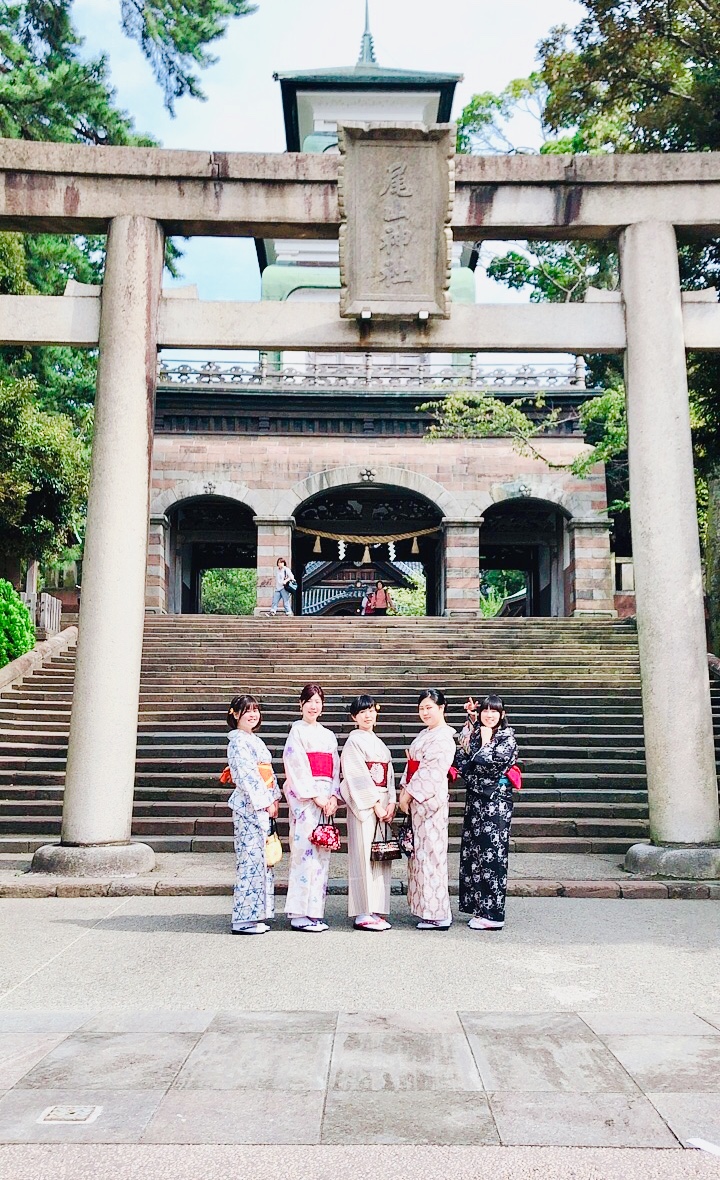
column 373, row 77
column 368, row 73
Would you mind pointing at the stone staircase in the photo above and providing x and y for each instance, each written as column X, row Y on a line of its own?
column 572, row 689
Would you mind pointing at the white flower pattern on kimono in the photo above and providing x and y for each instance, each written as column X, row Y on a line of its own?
column 486, row 824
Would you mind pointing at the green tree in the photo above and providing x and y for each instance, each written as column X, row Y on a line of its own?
column 44, row 469
column 635, row 76
column 644, row 75
column 50, row 91
column 229, row 592
column 411, row 600
column 17, row 633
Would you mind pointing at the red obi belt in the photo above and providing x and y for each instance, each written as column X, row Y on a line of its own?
column 413, row 764
column 321, row 765
column 378, row 773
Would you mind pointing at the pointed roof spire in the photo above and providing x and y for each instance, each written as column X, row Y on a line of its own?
column 367, row 46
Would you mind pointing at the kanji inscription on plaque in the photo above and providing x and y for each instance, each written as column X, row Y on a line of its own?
column 396, row 188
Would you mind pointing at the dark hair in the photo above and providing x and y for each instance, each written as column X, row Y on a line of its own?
column 281, row 559
column 240, row 705
column 379, row 582
column 432, row 694
column 309, row 691
column 493, row 701
column 359, row 703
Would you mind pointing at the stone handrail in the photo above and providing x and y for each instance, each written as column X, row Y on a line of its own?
column 372, row 371
column 18, row 669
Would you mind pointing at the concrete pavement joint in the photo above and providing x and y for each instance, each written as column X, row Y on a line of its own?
column 43, row 966
column 38, row 886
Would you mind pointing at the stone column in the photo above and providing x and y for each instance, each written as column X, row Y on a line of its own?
column 591, row 582
column 99, row 784
column 462, row 567
column 156, row 577
column 274, row 540
column 682, row 784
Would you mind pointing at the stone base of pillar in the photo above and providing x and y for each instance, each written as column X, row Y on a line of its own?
column 449, row 613
column 694, row 862
column 95, row 860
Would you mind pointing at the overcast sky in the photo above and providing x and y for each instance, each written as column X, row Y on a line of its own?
column 488, row 41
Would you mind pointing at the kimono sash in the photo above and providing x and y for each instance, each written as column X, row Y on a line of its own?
column 378, row 773
column 321, row 764
column 266, row 774
column 413, row 764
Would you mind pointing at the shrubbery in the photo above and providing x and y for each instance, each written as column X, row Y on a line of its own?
column 17, row 633
column 229, row 592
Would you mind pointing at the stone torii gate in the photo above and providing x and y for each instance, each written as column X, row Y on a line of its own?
column 401, row 191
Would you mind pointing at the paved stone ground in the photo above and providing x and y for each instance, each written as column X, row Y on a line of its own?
column 584, row 1028
column 470, row 1078
column 553, row 955
column 209, row 874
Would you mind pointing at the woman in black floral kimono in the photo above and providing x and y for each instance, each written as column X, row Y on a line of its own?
column 486, row 752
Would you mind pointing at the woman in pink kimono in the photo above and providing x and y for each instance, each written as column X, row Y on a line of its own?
column 424, row 795
column 312, row 787
column 368, row 788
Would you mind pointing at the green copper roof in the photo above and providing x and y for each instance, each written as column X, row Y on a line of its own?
column 367, row 74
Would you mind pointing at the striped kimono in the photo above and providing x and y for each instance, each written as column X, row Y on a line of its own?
column 428, row 894
column 254, row 892
column 367, row 778
column 312, row 768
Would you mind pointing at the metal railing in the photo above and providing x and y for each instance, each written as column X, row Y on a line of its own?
column 372, row 371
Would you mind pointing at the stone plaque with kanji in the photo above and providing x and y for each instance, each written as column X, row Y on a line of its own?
column 396, row 189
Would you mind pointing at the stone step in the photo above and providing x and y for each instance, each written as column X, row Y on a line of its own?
column 198, row 808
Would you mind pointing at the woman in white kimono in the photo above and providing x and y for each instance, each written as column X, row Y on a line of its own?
column 368, row 788
column 424, row 795
column 254, row 802
column 312, row 787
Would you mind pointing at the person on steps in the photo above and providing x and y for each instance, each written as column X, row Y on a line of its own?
column 312, row 787
column 284, row 582
column 381, row 600
column 368, row 788
column 254, row 803
column 486, row 753
column 424, row 796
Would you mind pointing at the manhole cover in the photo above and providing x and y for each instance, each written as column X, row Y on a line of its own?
column 70, row 1114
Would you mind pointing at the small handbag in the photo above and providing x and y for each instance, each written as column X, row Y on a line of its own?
column 326, row 836
column 384, row 846
column 514, row 776
column 273, row 847
column 405, row 838
column 291, row 584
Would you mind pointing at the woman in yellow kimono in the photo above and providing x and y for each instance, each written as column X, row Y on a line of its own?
column 368, row 788
column 424, row 796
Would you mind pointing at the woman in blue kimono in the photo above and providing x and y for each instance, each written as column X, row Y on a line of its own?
column 254, row 802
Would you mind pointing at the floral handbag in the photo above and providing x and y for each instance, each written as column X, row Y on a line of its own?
column 384, row 846
column 326, row 836
column 273, row 847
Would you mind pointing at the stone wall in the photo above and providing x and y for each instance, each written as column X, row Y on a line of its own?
column 273, row 475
